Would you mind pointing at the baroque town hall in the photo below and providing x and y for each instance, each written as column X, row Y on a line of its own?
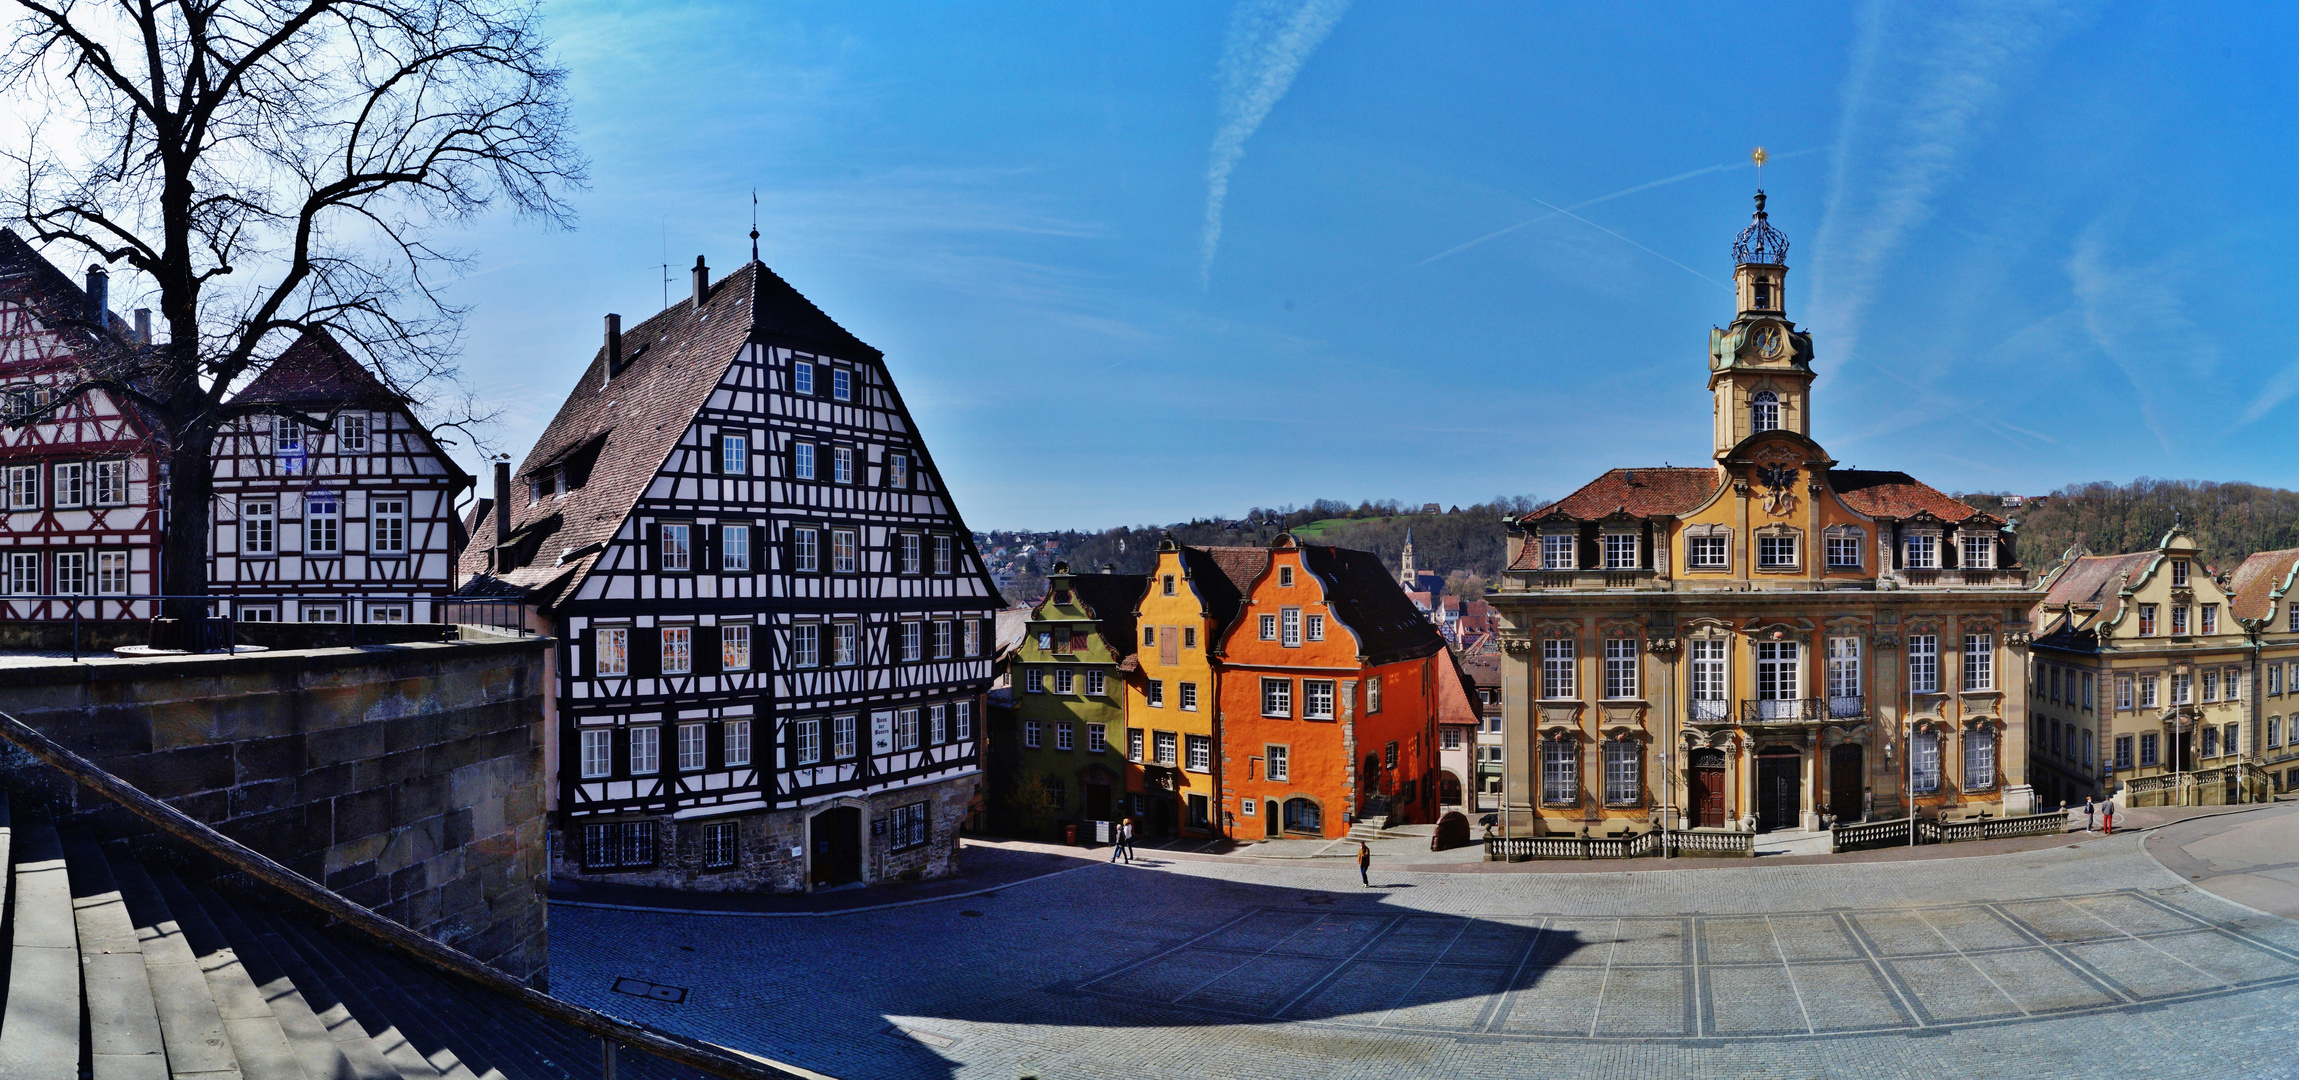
column 1767, row 641
column 774, row 630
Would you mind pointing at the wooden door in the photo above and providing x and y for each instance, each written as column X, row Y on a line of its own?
column 1847, row 781
column 837, row 836
column 1098, row 802
column 1271, row 825
column 1778, row 793
column 1708, row 789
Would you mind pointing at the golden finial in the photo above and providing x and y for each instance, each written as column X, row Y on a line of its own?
column 1760, row 157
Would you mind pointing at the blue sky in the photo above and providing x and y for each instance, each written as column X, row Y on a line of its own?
column 2036, row 243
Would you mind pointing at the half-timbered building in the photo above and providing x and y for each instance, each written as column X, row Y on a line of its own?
column 775, row 629
column 339, row 506
column 82, row 509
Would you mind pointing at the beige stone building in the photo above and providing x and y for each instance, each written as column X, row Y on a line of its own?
column 2162, row 683
column 1768, row 641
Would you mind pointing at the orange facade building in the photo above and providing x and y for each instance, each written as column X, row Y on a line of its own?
column 1328, row 702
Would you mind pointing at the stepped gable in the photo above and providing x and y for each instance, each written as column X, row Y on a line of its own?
column 628, row 425
column 2091, row 581
column 2263, row 578
column 1891, row 495
column 1363, row 595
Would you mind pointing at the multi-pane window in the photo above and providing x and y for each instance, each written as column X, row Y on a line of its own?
column 1844, row 685
column 806, row 644
column 1557, row 657
column 646, row 750
column 258, row 528
column 1065, row 736
column 1276, row 697
column 2274, row 731
column 1372, row 694
column 1133, row 744
column 2087, row 688
column 912, row 559
column 619, row 844
column 1764, row 411
column 2179, row 619
column 1280, row 762
column 842, row 551
column 909, row 826
column 71, row 484
column 1776, row 551
column 1979, row 661
column 694, row 752
column 2208, row 618
column 598, row 753
column 2147, row 698
column 938, row 725
column 678, row 650
column 1153, row 693
column 1620, row 551
column 614, row 649
column 1065, row 681
column 1560, row 771
column 913, row 641
column 734, row 646
column 898, row 471
column 1620, row 668
column 677, row 546
column 1167, row 753
column 802, row 378
column 1317, row 699
column 351, row 433
column 719, row 844
column 1285, row 577
column 1034, row 680
column 841, row 464
column 2182, row 688
column 1622, row 779
column 802, row 461
column 973, row 635
column 964, row 723
column 1033, row 734
column 2123, row 691
column 734, row 547
column 1779, row 678
column 1289, row 622
column 2210, row 742
column 1097, row 737
column 2274, row 678
column 1449, row 738
column 2149, row 749
column 2178, row 573
column 71, row 573
column 1979, row 552
column 1926, row 762
column 734, row 739
column 1189, row 697
column 2123, row 751
column 1268, row 630
column 942, row 550
column 1312, row 627
column 941, row 639
column 111, row 483
column 2234, row 732
column 24, row 487
column 1924, row 663
column 387, row 526
column 1097, row 682
column 111, row 573
column 1557, row 551
column 1980, row 759
column 1706, row 553
column 734, row 454
column 2147, row 620
column 1843, row 551
column 1708, row 701
column 805, row 550
column 843, row 735
column 1923, row 551
column 322, row 525
column 1200, row 754
column 841, row 384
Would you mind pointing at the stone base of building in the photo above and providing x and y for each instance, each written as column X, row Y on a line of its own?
column 862, row 839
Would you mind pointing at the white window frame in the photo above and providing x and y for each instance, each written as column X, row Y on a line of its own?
column 1621, row 674
column 613, row 645
column 734, row 741
column 259, row 528
column 112, row 569
column 598, row 753
column 678, row 650
column 1560, row 551
column 733, row 454
column 71, row 485
column 734, row 548
column 1620, row 550
column 1979, row 662
column 676, row 547
column 111, row 483
column 1317, row 699
column 1277, row 697
column 322, row 524
column 806, row 645
column 694, row 747
column 1923, row 652
column 387, row 526
column 1559, row 669
column 646, row 749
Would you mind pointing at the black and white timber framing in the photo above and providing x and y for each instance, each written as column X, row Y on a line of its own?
column 766, row 602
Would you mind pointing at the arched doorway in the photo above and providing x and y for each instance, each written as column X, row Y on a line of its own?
column 1847, row 782
column 1779, row 789
column 1304, row 815
column 836, row 835
column 1273, row 826
column 1448, row 788
column 1706, row 784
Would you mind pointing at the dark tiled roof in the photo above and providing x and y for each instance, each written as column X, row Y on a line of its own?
column 1362, row 595
column 1482, row 668
column 2092, row 580
column 28, row 278
column 671, row 362
column 1221, row 575
column 1894, row 495
column 2064, row 636
column 1112, row 598
column 315, row 371
column 2256, row 582
column 1240, row 564
column 1637, row 492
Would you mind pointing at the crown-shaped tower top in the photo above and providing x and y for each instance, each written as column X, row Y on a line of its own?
column 1760, row 243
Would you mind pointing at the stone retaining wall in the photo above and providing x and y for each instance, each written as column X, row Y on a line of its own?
column 407, row 777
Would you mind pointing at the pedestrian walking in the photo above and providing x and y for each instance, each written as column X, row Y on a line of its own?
column 1364, row 864
column 2110, row 818
column 1129, row 846
column 2088, row 811
column 1117, row 840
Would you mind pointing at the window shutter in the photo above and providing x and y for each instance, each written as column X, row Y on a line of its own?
column 653, row 539
column 590, row 664
column 714, row 454
column 707, row 657
column 646, row 652
column 709, row 537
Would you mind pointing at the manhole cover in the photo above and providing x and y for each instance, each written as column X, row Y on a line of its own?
column 673, row 995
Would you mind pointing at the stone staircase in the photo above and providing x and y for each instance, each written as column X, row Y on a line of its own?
column 119, row 968
column 1368, row 828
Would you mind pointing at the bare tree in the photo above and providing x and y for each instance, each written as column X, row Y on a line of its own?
column 271, row 168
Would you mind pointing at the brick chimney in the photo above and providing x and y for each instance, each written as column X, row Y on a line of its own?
column 99, row 285
column 143, row 326
column 701, row 281
column 502, row 512
column 614, row 345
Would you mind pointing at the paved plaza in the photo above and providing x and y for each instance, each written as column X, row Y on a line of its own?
column 2090, row 960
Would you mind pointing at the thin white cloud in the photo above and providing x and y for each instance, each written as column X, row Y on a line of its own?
column 1268, row 42
column 2137, row 318
column 2277, row 390
column 1922, row 87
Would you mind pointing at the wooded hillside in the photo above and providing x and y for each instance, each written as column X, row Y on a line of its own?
column 2228, row 521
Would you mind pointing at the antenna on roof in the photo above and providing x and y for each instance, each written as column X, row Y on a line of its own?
column 666, row 226
column 754, row 224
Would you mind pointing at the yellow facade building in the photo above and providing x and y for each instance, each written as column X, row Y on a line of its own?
column 1766, row 642
column 1172, row 686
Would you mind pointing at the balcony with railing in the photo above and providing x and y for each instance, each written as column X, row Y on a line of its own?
column 1700, row 711
column 1782, row 710
column 1853, row 707
column 1936, row 578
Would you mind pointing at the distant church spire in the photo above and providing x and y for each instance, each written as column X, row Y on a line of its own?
column 1405, row 575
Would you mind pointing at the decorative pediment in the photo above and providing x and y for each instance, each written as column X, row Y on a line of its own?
column 1557, row 715
column 1620, row 715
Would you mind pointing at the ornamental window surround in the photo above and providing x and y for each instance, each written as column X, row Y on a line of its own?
column 1623, row 760
column 1764, row 412
column 1979, row 662
column 1621, row 551
column 1621, row 668
column 1777, row 549
column 1921, row 548
column 1979, row 551
column 1708, row 547
column 1560, row 770
column 1560, row 551
column 1844, row 545
column 1557, row 669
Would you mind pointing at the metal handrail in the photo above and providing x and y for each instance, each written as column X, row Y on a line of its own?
column 710, row 1058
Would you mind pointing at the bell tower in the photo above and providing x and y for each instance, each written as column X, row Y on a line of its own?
column 1760, row 367
column 1405, row 574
